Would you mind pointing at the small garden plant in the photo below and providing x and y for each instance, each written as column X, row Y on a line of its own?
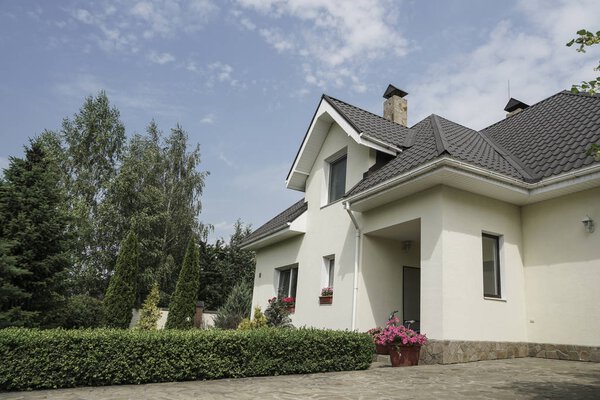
column 278, row 313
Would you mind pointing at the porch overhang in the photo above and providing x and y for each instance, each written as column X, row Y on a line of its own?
column 451, row 172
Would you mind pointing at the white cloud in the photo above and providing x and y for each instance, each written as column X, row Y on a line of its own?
column 220, row 72
column 221, row 156
column 125, row 26
column 208, row 119
column 277, row 39
column 146, row 98
column 160, row 58
column 536, row 61
column 332, row 35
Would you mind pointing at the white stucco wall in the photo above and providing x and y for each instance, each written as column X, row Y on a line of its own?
column 330, row 233
column 427, row 206
column 268, row 259
column 562, row 270
column 467, row 314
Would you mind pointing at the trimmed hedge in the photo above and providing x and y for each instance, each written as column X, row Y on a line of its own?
column 42, row 359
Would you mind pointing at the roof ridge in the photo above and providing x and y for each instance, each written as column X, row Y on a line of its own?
column 513, row 160
column 362, row 109
column 343, row 114
column 441, row 141
column 580, row 94
column 526, row 110
column 525, row 171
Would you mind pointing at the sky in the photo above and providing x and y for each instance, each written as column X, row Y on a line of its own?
column 244, row 77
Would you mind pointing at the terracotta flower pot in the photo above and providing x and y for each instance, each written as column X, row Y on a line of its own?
column 404, row 356
column 325, row 299
column 381, row 349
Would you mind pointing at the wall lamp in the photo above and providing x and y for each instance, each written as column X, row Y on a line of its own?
column 588, row 224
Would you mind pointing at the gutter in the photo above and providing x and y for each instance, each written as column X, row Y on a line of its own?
column 356, row 263
column 450, row 162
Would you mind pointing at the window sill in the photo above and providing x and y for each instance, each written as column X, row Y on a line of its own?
column 495, row 299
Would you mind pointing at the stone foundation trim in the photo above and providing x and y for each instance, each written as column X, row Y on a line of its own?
column 461, row 351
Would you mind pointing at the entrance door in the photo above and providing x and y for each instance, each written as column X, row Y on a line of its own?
column 411, row 298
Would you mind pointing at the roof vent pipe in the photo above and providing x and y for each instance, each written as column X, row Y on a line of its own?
column 395, row 107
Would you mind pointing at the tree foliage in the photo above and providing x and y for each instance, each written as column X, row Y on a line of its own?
column 92, row 146
column 225, row 264
column 183, row 303
column 150, row 313
column 586, row 39
column 120, row 295
column 33, row 242
column 236, row 307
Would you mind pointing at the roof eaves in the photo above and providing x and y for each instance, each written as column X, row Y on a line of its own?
column 304, row 139
column 336, row 108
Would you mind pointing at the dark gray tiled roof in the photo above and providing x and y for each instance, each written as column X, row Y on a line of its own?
column 436, row 137
column 279, row 222
column 552, row 136
column 548, row 138
column 372, row 125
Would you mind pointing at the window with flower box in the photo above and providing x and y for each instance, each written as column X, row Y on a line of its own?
column 288, row 281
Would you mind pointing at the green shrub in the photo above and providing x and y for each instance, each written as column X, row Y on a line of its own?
column 56, row 358
column 236, row 307
column 258, row 321
column 120, row 295
column 150, row 313
column 278, row 314
column 82, row 311
column 183, row 303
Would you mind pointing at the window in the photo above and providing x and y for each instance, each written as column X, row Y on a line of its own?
column 328, row 271
column 491, row 265
column 288, row 278
column 337, row 178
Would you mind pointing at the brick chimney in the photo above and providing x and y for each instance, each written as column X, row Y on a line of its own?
column 514, row 106
column 395, row 107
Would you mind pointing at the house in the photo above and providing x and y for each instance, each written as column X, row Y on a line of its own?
column 481, row 237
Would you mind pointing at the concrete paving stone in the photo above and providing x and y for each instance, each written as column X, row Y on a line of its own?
column 521, row 378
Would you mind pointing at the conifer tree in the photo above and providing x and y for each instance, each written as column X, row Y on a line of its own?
column 120, row 295
column 33, row 243
column 183, row 302
column 150, row 313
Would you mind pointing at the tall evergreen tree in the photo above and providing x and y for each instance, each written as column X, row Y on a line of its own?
column 120, row 296
column 33, row 244
column 183, row 303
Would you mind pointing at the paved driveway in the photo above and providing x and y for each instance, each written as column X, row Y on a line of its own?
column 525, row 378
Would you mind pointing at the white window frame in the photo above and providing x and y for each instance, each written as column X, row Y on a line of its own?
column 328, row 271
column 500, row 274
column 325, row 200
column 293, row 280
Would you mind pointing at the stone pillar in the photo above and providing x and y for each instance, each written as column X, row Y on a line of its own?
column 198, row 314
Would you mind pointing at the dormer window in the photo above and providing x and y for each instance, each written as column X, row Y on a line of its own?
column 337, row 178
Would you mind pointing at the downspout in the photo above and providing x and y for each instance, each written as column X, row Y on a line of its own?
column 356, row 262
